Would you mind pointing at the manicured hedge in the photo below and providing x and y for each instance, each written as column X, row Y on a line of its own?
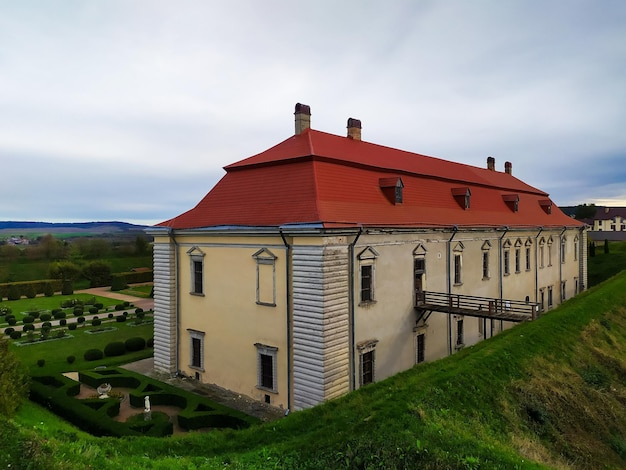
column 135, row 344
column 121, row 280
column 115, row 348
column 93, row 355
column 22, row 289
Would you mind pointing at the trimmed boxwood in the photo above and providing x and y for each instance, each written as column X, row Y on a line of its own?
column 93, row 310
column 59, row 315
column 70, row 359
column 80, row 320
column 116, row 348
column 72, row 326
column 45, row 316
column 98, row 305
column 63, row 322
column 96, row 322
column 120, row 319
column 46, row 324
column 9, row 330
column 11, row 321
column 16, row 335
column 29, row 327
column 93, row 355
column 28, row 319
column 41, row 362
column 135, row 344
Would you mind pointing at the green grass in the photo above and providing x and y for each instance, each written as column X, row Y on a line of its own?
column 49, row 303
column 142, row 291
column 545, row 394
column 602, row 266
column 55, row 352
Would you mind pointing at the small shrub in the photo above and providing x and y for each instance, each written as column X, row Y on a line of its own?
column 90, row 301
column 13, row 292
column 110, row 315
column 99, row 305
column 115, row 348
column 46, row 324
column 29, row 291
column 33, row 313
column 45, row 316
column 11, row 321
column 29, row 327
column 4, row 310
column 63, row 322
column 125, row 314
column 41, row 362
column 135, row 344
column 67, row 288
column 55, row 311
column 96, row 322
column 16, row 335
column 59, row 315
column 93, row 355
column 48, row 289
column 8, row 331
column 59, row 333
column 120, row 319
column 70, row 359
column 138, row 310
column 126, row 304
column 72, row 326
column 93, row 310
column 27, row 319
column 140, row 315
column 80, row 320
column 150, row 342
column 79, row 310
column 119, row 307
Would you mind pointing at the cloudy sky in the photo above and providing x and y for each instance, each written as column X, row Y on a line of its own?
column 128, row 109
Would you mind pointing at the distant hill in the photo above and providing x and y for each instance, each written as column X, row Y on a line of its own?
column 86, row 228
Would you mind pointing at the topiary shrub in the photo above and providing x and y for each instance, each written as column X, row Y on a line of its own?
column 11, row 321
column 119, row 307
column 13, row 292
column 90, row 301
column 33, row 313
column 109, row 316
column 45, row 317
column 67, row 288
column 135, row 344
column 9, row 330
column 96, row 322
column 27, row 319
column 48, row 289
column 99, row 305
column 120, row 319
column 70, row 359
column 59, row 315
column 80, row 320
column 140, row 315
column 46, row 324
column 4, row 310
column 27, row 328
column 115, row 348
column 16, row 335
column 41, row 362
column 29, row 291
column 138, row 310
column 78, row 310
column 126, row 304
column 93, row 310
column 63, row 322
column 93, row 355
column 72, row 326
column 59, row 333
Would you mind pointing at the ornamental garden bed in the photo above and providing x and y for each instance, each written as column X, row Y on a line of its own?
column 77, row 401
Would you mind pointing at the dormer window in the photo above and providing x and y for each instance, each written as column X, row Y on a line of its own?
column 511, row 200
column 392, row 189
column 462, row 196
column 546, row 205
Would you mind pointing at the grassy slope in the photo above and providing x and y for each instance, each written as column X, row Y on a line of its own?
column 547, row 394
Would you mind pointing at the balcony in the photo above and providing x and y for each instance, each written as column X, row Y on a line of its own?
column 482, row 307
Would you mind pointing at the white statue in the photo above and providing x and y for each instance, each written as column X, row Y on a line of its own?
column 147, row 403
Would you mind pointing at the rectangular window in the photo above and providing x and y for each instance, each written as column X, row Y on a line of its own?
column 196, row 353
column 518, row 260
column 549, row 255
column 419, row 268
column 457, row 269
column 197, row 277
column 485, row 265
column 550, row 296
column 266, row 367
column 543, row 299
column 507, row 269
column 563, row 251
column 420, row 343
column 367, row 368
column 563, row 292
column 481, row 326
column 541, row 251
column 265, row 277
column 527, row 259
column 459, row 333
column 366, row 283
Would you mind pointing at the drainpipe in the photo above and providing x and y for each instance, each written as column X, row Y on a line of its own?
column 351, row 308
column 455, row 229
column 561, row 260
column 500, row 274
column 288, row 287
column 177, row 277
column 537, row 265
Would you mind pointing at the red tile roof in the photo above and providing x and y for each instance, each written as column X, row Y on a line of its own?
column 333, row 181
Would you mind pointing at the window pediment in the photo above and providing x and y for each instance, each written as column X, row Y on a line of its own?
column 264, row 254
column 458, row 247
column 529, row 242
column 518, row 243
column 368, row 253
column 420, row 250
column 486, row 245
column 195, row 251
column 507, row 244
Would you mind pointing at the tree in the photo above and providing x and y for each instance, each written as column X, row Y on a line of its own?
column 98, row 273
column 64, row 270
column 584, row 211
column 14, row 383
column 592, row 249
column 141, row 245
column 606, row 245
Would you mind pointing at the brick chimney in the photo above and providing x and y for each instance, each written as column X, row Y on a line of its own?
column 303, row 117
column 354, row 129
column 508, row 168
column 491, row 163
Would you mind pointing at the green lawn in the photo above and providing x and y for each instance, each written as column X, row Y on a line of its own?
column 604, row 265
column 138, row 291
column 49, row 303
